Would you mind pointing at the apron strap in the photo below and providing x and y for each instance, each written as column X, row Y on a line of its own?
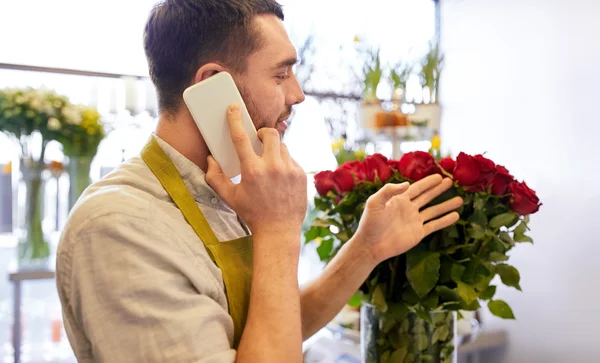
column 168, row 175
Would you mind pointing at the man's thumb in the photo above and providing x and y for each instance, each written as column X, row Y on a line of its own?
column 218, row 180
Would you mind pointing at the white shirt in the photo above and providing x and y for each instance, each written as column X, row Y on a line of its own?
column 135, row 282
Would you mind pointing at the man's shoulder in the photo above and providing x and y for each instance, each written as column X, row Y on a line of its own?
column 129, row 190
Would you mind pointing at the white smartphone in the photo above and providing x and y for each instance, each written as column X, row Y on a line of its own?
column 208, row 102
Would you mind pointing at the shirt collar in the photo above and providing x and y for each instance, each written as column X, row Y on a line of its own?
column 193, row 177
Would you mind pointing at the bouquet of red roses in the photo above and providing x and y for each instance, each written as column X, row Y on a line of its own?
column 451, row 269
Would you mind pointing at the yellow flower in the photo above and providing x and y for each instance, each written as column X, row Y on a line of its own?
column 7, row 169
column 356, row 39
column 317, row 241
column 54, row 124
column 338, row 145
column 435, row 142
column 360, row 153
column 91, row 131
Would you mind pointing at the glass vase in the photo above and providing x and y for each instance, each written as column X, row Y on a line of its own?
column 79, row 177
column 33, row 250
column 407, row 338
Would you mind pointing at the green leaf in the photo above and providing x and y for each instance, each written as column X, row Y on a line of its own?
column 503, row 220
column 409, row 295
column 501, row 309
column 421, row 342
column 315, row 232
column 474, row 306
column 522, row 238
column 446, row 270
column 478, row 220
column 398, row 355
column 378, row 299
column 398, row 311
column 457, row 272
column 394, row 338
column 431, row 301
column 475, row 234
column 322, row 203
column 497, row 257
column 423, row 314
column 422, row 270
column 509, row 275
column 467, row 292
column 504, row 236
column 388, row 324
column 521, row 228
column 441, row 334
column 447, row 293
column 385, row 357
column 479, row 204
column 488, row 293
column 483, row 281
column 325, row 248
column 452, row 231
column 356, row 300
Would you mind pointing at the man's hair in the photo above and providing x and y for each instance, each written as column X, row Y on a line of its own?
column 182, row 35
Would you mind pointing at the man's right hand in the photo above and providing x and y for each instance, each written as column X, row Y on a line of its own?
column 271, row 197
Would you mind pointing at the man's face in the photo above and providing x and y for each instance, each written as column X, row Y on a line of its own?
column 268, row 86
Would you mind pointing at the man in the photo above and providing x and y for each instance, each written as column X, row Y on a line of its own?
column 156, row 263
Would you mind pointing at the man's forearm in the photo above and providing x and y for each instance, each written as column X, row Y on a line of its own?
column 322, row 299
column 273, row 327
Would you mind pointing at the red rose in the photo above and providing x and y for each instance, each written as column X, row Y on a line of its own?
column 524, row 201
column 357, row 169
column 487, row 170
column 501, row 180
column 377, row 165
column 343, row 179
column 466, row 170
column 417, row 165
column 475, row 172
column 324, row 182
column 448, row 164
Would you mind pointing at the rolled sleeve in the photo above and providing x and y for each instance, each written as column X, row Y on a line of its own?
column 131, row 292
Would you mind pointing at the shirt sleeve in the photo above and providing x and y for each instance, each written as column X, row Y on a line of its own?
column 125, row 288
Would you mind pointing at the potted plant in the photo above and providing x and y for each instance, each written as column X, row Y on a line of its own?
column 410, row 301
column 31, row 118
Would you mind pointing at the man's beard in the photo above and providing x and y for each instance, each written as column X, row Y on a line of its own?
column 259, row 119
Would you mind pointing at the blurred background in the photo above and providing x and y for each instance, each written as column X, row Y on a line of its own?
column 514, row 79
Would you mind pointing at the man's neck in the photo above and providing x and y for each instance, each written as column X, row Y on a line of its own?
column 182, row 134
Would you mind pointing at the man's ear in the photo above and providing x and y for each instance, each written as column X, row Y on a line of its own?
column 208, row 70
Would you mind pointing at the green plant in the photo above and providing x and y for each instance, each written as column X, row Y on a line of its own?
column 431, row 69
column 451, row 269
column 399, row 75
column 372, row 75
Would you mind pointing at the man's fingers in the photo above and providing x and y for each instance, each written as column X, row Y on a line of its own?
column 389, row 191
column 441, row 223
column 271, row 143
column 240, row 139
column 423, row 185
column 218, row 180
column 441, row 209
column 285, row 152
column 432, row 193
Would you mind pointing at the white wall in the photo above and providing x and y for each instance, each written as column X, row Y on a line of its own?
column 104, row 36
column 521, row 84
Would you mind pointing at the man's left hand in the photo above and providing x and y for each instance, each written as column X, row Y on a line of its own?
column 394, row 220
